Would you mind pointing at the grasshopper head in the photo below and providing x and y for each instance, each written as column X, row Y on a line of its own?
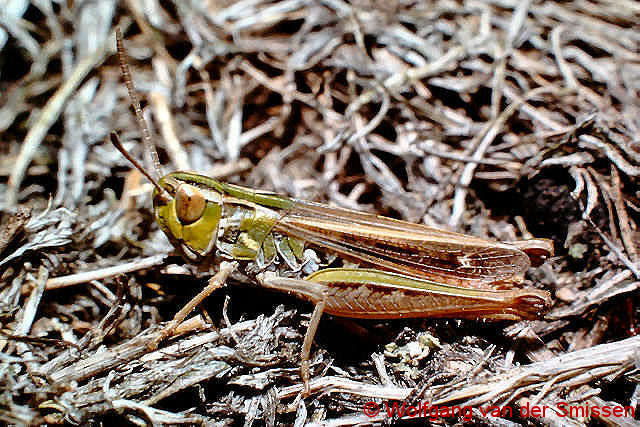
column 186, row 208
column 189, row 215
column 186, row 211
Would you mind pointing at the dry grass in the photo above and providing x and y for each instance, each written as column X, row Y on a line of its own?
column 503, row 119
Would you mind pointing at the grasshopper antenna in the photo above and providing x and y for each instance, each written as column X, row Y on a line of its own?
column 142, row 123
column 115, row 140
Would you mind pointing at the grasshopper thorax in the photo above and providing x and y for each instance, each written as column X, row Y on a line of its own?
column 188, row 215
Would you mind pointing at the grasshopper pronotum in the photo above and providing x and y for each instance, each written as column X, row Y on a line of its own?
column 411, row 270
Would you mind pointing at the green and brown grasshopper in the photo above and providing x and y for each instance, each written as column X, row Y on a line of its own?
column 409, row 270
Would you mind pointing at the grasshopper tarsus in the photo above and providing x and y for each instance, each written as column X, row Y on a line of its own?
column 305, row 374
column 164, row 333
column 213, row 284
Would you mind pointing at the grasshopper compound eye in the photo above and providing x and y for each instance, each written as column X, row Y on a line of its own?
column 190, row 204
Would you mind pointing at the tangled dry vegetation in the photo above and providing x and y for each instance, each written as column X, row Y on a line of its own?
column 499, row 118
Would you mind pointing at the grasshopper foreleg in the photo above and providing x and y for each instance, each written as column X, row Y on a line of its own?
column 215, row 283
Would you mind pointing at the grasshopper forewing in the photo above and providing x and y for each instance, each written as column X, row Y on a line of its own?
column 404, row 269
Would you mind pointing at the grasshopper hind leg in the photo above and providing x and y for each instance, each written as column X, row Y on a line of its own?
column 315, row 292
column 376, row 294
column 308, row 341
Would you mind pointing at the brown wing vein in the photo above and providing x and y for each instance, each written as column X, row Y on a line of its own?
column 404, row 247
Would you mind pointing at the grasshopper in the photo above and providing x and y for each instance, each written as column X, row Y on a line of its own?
column 408, row 270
